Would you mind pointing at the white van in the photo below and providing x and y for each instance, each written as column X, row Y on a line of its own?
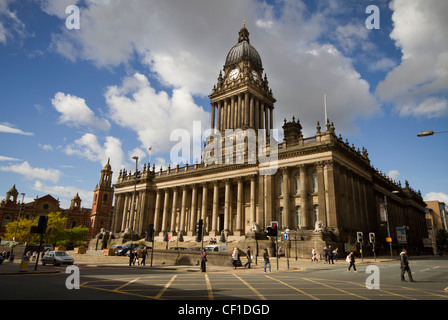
column 217, row 248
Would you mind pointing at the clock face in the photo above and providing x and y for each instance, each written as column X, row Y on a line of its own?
column 255, row 75
column 233, row 74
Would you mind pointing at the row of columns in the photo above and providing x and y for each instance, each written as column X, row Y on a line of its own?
column 176, row 209
column 242, row 110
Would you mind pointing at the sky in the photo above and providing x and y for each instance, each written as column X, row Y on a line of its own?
column 84, row 81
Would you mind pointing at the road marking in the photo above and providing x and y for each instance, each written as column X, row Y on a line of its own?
column 294, row 288
column 209, row 287
column 251, row 288
column 165, row 288
column 331, row 287
column 126, row 284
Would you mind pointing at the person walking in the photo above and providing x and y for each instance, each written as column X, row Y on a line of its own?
column 144, row 254
column 235, row 257
column 325, row 253
column 313, row 255
column 266, row 260
column 404, row 265
column 203, row 260
column 351, row 258
column 330, row 255
column 335, row 254
column 249, row 258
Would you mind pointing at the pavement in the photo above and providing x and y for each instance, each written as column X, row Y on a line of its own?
column 95, row 259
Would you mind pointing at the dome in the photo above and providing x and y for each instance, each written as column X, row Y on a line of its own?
column 243, row 50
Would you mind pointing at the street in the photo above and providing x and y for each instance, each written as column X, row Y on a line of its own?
column 304, row 281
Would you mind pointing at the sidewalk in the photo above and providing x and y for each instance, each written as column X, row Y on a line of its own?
column 95, row 259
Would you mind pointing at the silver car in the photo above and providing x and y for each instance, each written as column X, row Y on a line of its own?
column 57, row 258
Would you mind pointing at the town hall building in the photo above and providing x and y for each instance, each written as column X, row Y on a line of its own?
column 319, row 188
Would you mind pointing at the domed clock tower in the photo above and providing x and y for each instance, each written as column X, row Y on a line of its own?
column 242, row 99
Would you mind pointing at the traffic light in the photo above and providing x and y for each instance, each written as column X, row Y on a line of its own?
column 359, row 236
column 274, row 226
column 150, row 234
column 42, row 225
column 372, row 237
column 199, row 230
column 272, row 230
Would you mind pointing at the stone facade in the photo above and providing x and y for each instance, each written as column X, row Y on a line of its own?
column 322, row 189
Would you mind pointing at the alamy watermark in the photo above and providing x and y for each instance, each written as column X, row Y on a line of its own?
column 231, row 146
column 73, row 21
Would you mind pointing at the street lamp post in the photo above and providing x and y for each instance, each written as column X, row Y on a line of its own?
column 428, row 133
column 133, row 208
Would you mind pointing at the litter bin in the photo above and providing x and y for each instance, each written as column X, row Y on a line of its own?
column 24, row 264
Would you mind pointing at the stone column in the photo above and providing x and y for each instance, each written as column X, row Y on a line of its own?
column 215, row 208
column 183, row 208
column 240, row 115
column 204, row 201
column 286, row 210
column 218, row 122
column 252, row 200
column 252, row 116
column 246, row 109
column 174, row 210
column 303, row 195
column 257, row 114
column 165, row 210
column 232, row 112
column 227, row 205
column 194, row 205
column 157, row 212
column 213, row 117
column 239, row 206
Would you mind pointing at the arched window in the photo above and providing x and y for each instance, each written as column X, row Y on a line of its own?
column 314, row 178
column 297, row 182
column 6, row 220
column 316, row 213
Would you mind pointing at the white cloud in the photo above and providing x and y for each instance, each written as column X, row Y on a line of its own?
column 418, row 85
column 10, row 25
column 436, row 196
column 153, row 115
column 31, row 173
column 75, row 112
column 184, row 45
column 89, row 147
column 3, row 158
column 394, row 174
column 8, row 128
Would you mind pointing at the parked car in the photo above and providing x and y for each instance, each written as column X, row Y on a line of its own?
column 194, row 248
column 177, row 248
column 217, row 248
column 124, row 249
column 117, row 248
column 57, row 258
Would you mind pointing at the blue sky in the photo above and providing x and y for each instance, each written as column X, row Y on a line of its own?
column 137, row 70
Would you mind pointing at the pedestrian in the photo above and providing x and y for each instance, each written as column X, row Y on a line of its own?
column 235, row 257
column 335, row 254
column 313, row 255
column 279, row 251
column 34, row 256
column 135, row 258
column 325, row 253
column 266, row 260
column 203, row 260
column 249, row 258
column 330, row 255
column 351, row 258
column 404, row 265
column 144, row 254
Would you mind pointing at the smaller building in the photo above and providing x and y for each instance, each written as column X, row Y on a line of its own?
column 436, row 220
column 99, row 216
